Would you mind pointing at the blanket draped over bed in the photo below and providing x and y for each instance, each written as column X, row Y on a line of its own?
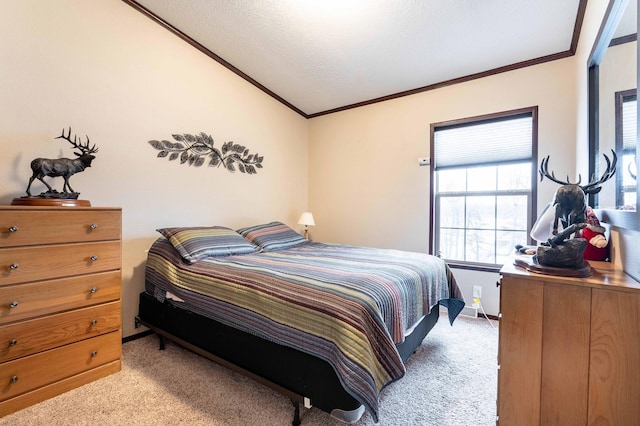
column 347, row 305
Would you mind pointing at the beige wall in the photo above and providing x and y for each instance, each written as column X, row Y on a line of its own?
column 590, row 26
column 617, row 73
column 114, row 75
column 624, row 242
column 364, row 161
column 365, row 185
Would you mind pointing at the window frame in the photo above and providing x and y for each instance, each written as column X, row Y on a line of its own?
column 621, row 97
column 469, row 121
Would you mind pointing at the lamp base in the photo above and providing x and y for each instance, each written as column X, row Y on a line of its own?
column 306, row 234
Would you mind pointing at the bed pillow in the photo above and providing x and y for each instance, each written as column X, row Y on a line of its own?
column 272, row 236
column 196, row 243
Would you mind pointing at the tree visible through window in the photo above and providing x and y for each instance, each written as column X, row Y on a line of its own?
column 484, row 173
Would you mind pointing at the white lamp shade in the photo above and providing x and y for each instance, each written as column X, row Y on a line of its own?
column 306, row 218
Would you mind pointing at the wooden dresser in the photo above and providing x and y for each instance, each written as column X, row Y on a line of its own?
column 60, row 311
column 569, row 348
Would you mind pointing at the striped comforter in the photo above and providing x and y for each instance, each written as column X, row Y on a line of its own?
column 347, row 305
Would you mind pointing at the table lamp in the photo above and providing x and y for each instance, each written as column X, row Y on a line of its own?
column 306, row 219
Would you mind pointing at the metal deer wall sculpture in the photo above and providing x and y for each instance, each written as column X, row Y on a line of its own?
column 570, row 199
column 62, row 167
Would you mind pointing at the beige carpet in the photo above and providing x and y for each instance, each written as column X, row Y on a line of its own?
column 450, row 380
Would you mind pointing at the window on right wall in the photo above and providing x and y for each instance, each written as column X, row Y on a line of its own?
column 483, row 192
column 626, row 106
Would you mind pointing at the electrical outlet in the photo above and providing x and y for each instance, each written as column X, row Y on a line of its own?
column 477, row 292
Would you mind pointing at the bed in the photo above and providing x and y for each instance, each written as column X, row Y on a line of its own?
column 327, row 325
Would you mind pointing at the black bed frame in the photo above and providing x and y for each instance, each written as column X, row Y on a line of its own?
column 297, row 375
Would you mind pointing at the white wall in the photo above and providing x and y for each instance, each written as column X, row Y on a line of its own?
column 109, row 72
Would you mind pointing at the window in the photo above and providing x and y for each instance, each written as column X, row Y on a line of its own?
column 626, row 119
column 483, row 191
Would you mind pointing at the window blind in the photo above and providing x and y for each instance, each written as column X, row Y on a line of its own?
column 496, row 141
column 629, row 124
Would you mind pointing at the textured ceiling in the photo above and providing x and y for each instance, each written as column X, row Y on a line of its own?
column 629, row 22
column 321, row 55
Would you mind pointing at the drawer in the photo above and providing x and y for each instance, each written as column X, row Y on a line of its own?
column 24, row 227
column 31, row 372
column 37, row 335
column 24, row 264
column 24, row 301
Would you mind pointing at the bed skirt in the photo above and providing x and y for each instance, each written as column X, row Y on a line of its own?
column 301, row 377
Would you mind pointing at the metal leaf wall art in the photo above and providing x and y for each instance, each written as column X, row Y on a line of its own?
column 195, row 150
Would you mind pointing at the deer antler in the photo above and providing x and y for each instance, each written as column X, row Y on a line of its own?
column 84, row 148
column 593, row 187
column 544, row 171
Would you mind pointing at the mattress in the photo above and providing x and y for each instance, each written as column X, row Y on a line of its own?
column 349, row 306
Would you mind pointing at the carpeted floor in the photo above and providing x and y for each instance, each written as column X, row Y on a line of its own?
column 450, row 380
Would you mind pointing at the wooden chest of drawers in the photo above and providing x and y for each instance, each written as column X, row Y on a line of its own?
column 569, row 348
column 60, row 309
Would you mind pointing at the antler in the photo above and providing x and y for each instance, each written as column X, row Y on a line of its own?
column 82, row 147
column 544, row 171
column 593, row 187
column 633, row 175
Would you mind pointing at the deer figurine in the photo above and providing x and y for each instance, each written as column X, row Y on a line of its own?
column 64, row 167
column 570, row 201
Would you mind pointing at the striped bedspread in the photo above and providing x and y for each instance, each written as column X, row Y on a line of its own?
column 347, row 305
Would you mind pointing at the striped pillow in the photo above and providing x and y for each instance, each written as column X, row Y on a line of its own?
column 196, row 243
column 272, row 236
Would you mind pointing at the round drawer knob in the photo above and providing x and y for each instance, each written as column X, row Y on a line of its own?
column 93, row 226
column 13, row 229
column 93, row 290
column 13, row 342
column 94, row 258
column 94, row 354
column 94, row 322
column 13, row 304
column 13, row 266
column 13, row 379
